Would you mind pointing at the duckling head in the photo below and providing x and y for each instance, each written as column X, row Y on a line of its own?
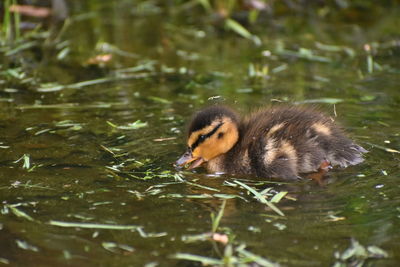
column 212, row 132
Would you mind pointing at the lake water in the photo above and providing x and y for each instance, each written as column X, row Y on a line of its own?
column 82, row 166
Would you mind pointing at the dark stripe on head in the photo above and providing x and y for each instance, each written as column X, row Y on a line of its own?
column 203, row 137
column 206, row 116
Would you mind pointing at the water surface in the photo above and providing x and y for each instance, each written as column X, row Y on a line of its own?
column 84, row 170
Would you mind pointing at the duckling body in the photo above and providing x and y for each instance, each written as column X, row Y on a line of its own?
column 280, row 142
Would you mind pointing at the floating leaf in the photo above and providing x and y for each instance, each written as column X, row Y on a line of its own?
column 333, row 48
column 357, row 254
column 143, row 234
column 159, row 100
column 229, row 196
column 115, row 248
column 130, row 126
column 238, row 28
column 303, row 53
column 387, row 149
column 255, row 258
column 260, row 198
column 94, row 225
column 67, row 255
column 367, row 98
column 4, row 261
column 202, row 186
column 195, row 238
column 377, row 252
column 321, row 100
column 280, row 226
column 278, row 197
column 79, row 85
column 202, row 259
column 19, row 213
column 25, row 245
column 26, row 160
column 66, row 106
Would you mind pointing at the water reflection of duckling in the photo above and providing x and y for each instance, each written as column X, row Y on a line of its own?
column 280, row 142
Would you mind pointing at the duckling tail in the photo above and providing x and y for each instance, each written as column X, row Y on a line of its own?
column 352, row 155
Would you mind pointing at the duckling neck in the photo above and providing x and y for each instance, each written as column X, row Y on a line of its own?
column 217, row 164
column 230, row 162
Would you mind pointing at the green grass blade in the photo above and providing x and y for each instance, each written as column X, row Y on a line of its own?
column 216, row 220
column 260, row 198
column 278, row 197
column 238, row 28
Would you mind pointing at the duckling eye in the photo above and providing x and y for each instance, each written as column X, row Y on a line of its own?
column 202, row 137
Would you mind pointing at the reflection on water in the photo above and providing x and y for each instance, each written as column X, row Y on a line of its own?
column 83, row 169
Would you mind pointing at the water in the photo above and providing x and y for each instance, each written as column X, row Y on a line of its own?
column 76, row 157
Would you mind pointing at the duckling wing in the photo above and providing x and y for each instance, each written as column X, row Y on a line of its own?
column 284, row 142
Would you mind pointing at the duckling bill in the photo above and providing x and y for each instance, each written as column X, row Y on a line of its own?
column 280, row 142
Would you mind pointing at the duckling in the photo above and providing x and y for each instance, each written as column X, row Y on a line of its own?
column 278, row 142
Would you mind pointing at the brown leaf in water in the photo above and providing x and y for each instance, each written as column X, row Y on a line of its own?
column 100, row 59
column 222, row 238
column 32, row 11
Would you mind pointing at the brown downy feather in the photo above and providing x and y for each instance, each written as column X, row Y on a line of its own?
column 276, row 142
